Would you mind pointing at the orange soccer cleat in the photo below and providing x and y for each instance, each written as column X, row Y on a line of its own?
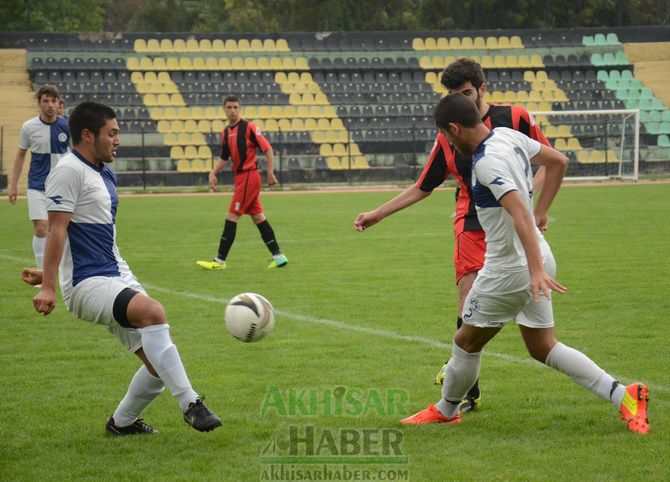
column 634, row 408
column 430, row 415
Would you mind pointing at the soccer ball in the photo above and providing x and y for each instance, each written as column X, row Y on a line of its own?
column 249, row 317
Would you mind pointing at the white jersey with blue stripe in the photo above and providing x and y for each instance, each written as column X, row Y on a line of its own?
column 88, row 192
column 48, row 143
column 501, row 164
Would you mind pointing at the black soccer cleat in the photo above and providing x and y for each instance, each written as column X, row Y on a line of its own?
column 138, row 427
column 201, row 418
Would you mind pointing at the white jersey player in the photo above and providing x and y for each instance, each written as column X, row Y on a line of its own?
column 96, row 283
column 517, row 278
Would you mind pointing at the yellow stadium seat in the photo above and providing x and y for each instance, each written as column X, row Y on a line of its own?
column 583, row 156
column 166, row 45
column 597, row 156
column 442, row 43
column 320, row 99
column 487, row 62
column 163, row 126
column 150, row 77
column 550, row 131
column 281, row 78
column 177, row 126
column 140, row 45
column 263, row 63
column 190, row 152
column 331, row 137
column 204, row 152
column 264, row 111
column 190, row 125
column 479, row 43
column 217, row 45
column 185, row 63
column 560, row 144
column 231, row 45
column 521, row 96
column 157, row 113
column 536, row 61
column 293, row 77
column 564, row 131
column 224, row 63
column 183, row 165
column 200, row 165
column 256, row 45
column 466, row 43
column 172, row 63
column 249, row 63
column 310, row 125
column 512, row 62
column 323, row 124
column 179, row 45
column 288, row 63
column 503, row 42
column 170, row 139
column 336, row 124
column 455, row 43
column 284, row 125
column 192, row 45
column 425, row 62
column 529, row 76
column 198, row 139
column 270, row 125
column 497, row 97
column 282, row 45
column 243, row 45
column 325, row 150
column 361, row 162
column 163, row 78
column 319, row 137
column 334, row 162
column 183, row 138
column 339, row 149
column 276, row 63
column 204, row 126
column 492, row 43
column 150, row 100
column 515, row 42
column 169, row 113
column 153, row 45
column 137, row 77
column 218, row 125
column 541, row 75
column 297, row 124
column 132, row 63
column 573, row 144
column 237, row 63
column 146, row 63
column 430, row 43
column 269, row 45
column 205, row 45
column 211, row 63
column 177, row 152
column 431, row 78
column 159, row 63
column 524, row 61
column 198, row 63
column 417, row 44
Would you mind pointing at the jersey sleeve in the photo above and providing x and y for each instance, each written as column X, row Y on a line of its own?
column 435, row 171
column 225, row 149
column 531, row 146
column 494, row 174
column 257, row 138
column 24, row 138
column 63, row 186
column 527, row 125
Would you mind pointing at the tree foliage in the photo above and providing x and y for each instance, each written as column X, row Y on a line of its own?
column 323, row 15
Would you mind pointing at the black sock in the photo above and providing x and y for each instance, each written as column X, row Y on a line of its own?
column 227, row 239
column 268, row 236
column 459, row 322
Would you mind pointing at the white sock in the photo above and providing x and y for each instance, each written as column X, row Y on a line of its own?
column 462, row 371
column 164, row 357
column 585, row 372
column 143, row 389
column 38, row 248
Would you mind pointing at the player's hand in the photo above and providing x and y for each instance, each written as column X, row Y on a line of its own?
column 272, row 179
column 45, row 301
column 541, row 221
column 213, row 181
column 12, row 194
column 32, row 276
column 365, row 220
column 542, row 285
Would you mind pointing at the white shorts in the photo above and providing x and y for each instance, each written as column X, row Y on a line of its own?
column 93, row 300
column 37, row 205
column 497, row 297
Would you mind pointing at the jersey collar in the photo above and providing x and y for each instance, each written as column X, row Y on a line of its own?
column 479, row 152
column 87, row 162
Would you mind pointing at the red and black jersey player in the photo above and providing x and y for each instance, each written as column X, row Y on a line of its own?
column 240, row 141
column 465, row 76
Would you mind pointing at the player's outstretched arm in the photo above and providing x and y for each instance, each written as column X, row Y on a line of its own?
column 270, row 162
column 45, row 301
column 406, row 198
column 218, row 167
column 13, row 190
column 32, row 276
column 554, row 165
column 541, row 283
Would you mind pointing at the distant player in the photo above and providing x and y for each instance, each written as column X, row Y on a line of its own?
column 465, row 76
column 61, row 108
column 48, row 137
column 239, row 142
column 97, row 284
column 517, row 278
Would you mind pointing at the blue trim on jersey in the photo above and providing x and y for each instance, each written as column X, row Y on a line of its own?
column 110, row 182
column 484, row 198
column 40, row 165
column 92, row 248
column 87, row 162
column 481, row 149
column 55, row 130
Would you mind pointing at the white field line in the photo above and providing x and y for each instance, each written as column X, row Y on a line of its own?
column 348, row 327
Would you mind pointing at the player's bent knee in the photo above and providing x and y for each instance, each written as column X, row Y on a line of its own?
column 144, row 311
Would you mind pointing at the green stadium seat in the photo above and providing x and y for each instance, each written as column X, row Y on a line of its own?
column 609, row 59
column 599, row 39
column 615, row 74
column 603, row 76
column 664, row 140
column 627, row 74
column 587, row 40
column 597, row 59
column 620, row 58
column 612, row 39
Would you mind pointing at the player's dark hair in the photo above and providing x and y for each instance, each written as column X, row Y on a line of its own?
column 91, row 116
column 461, row 71
column 231, row 98
column 47, row 90
column 459, row 109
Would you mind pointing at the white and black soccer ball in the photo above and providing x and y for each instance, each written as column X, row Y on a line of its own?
column 249, row 317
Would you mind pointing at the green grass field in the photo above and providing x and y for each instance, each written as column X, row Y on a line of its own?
column 372, row 312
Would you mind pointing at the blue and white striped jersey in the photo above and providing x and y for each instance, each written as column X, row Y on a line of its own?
column 47, row 143
column 88, row 192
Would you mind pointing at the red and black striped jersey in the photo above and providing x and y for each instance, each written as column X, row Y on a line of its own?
column 240, row 143
column 444, row 160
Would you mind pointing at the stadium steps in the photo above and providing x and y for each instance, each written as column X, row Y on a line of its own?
column 651, row 63
column 18, row 107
